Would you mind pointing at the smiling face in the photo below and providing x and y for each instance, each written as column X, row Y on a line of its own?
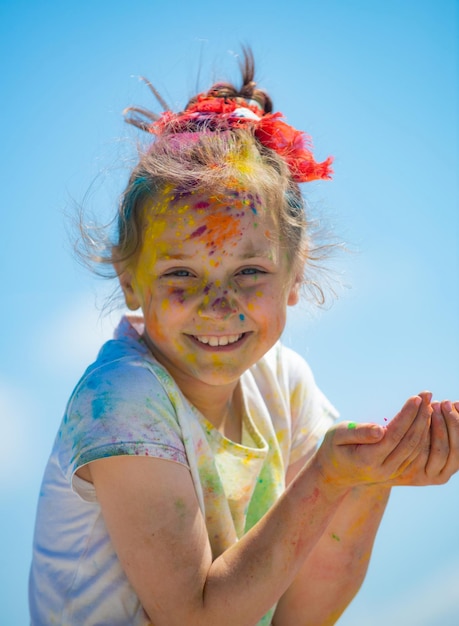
column 213, row 283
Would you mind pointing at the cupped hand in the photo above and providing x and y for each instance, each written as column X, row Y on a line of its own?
column 357, row 454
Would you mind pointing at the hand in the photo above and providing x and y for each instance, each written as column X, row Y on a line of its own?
column 438, row 456
column 358, row 454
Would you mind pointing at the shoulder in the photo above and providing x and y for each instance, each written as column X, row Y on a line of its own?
column 125, row 403
column 124, row 370
column 118, row 377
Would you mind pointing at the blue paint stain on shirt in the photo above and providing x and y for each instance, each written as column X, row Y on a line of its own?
column 99, row 406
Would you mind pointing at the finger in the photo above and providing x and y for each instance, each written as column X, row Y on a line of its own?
column 426, row 395
column 418, row 458
column 451, row 416
column 349, row 433
column 409, row 434
column 399, row 425
column 439, row 442
column 413, row 471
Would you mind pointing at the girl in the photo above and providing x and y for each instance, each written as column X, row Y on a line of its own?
column 186, row 485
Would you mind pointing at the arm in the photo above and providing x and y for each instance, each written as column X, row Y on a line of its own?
column 153, row 518
column 334, row 571
column 159, row 534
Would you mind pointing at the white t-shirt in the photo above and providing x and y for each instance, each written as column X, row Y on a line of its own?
column 126, row 403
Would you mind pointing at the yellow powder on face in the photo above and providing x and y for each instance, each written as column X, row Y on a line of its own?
column 205, row 300
column 152, row 245
column 158, row 217
column 190, row 358
column 165, row 304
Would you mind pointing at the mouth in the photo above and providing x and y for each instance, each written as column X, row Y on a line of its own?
column 219, row 341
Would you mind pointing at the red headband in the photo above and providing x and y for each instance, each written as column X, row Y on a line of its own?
column 292, row 145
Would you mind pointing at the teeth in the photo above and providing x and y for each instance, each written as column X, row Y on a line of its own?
column 219, row 341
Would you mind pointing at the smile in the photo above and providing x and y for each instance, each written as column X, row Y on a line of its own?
column 215, row 341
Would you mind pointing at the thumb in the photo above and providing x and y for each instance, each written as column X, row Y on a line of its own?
column 349, row 433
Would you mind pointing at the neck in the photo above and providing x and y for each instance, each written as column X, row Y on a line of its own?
column 223, row 411
column 221, row 405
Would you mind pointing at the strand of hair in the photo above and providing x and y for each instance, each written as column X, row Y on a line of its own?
column 138, row 121
column 156, row 93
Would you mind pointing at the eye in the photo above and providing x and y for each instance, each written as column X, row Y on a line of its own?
column 251, row 271
column 178, row 273
column 181, row 273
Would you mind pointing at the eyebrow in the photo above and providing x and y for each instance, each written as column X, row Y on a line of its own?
column 180, row 256
column 257, row 254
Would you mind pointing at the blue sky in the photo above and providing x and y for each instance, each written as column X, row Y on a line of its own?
column 376, row 85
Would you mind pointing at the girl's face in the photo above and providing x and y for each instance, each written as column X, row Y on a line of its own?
column 213, row 283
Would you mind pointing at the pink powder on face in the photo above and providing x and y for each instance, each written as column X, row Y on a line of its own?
column 201, row 205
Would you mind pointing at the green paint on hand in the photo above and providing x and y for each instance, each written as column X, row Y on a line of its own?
column 335, row 537
column 351, row 425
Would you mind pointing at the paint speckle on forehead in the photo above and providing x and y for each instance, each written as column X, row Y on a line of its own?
column 198, row 231
column 202, row 204
column 252, row 203
column 221, row 217
column 219, row 229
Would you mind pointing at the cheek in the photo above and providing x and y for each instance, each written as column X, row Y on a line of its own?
column 269, row 312
column 178, row 296
column 156, row 314
column 258, row 301
column 155, row 327
column 175, row 296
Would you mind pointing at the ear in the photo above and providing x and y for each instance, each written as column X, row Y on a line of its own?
column 294, row 293
column 125, row 276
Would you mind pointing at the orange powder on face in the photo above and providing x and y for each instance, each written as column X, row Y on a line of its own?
column 217, row 229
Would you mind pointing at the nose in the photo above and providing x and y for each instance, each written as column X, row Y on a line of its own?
column 217, row 303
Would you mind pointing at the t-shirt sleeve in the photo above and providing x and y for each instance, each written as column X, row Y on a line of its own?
column 120, row 408
column 311, row 412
